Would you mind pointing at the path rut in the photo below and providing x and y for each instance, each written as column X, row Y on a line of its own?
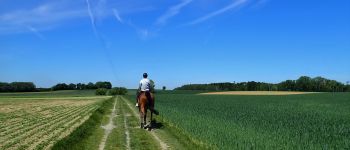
column 108, row 127
column 163, row 145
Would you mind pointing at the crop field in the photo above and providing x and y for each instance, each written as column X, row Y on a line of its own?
column 256, row 93
column 187, row 120
column 307, row 121
column 34, row 121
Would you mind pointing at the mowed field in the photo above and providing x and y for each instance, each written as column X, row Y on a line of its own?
column 302, row 121
column 38, row 120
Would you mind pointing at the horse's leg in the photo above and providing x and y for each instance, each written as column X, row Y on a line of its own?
column 141, row 116
column 144, row 118
column 150, row 122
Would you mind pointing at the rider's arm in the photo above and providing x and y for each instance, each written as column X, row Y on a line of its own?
column 139, row 89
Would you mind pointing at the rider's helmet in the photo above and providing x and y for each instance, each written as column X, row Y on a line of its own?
column 145, row 75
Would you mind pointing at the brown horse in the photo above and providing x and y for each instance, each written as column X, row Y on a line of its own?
column 144, row 105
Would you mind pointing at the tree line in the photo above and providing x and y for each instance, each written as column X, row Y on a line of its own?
column 113, row 91
column 30, row 86
column 82, row 86
column 303, row 83
column 17, row 87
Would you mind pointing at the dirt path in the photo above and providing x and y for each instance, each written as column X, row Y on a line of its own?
column 108, row 127
column 127, row 133
column 163, row 145
column 123, row 131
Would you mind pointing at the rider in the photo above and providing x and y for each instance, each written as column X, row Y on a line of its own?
column 145, row 86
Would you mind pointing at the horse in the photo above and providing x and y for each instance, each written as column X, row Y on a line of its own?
column 144, row 105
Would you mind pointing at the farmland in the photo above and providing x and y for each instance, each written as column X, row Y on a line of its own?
column 187, row 120
column 310, row 121
column 38, row 120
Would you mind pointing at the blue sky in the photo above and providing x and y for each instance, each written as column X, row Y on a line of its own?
column 176, row 42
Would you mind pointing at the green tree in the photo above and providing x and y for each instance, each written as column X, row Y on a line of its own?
column 105, row 84
column 118, row 91
column 164, row 88
column 90, row 85
column 5, row 87
column 101, row 91
column 72, row 86
column 152, row 86
column 79, row 86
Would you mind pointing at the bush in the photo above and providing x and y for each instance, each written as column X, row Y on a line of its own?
column 101, row 91
column 118, row 91
column 105, row 84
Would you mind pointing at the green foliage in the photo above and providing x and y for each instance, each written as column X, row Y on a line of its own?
column 105, row 84
column 90, row 85
column 101, row 91
column 164, row 88
column 118, row 91
column 304, row 83
column 347, row 88
column 85, row 130
column 60, row 86
column 82, row 86
column 152, row 86
column 311, row 121
column 17, row 87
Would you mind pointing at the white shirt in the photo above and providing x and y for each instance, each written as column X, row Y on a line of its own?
column 145, row 84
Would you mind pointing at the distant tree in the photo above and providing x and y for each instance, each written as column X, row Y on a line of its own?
column 60, row 86
column 22, row 86
column 164, row 88
column 118, row 91
column 72, row 86
column 152, row 86
column 101, row 91
column 5, row 87
column 90, row 85
column 252, row 86
column 104, row 84
column 303, row 83
column 288, row 85
column 17, row 87
column 79, row 87
column 83, row 86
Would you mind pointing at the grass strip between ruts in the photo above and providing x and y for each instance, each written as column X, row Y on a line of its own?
column 86, row 129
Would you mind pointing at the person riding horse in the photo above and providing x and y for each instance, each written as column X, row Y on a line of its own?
column 144, row 87
column 145, row 101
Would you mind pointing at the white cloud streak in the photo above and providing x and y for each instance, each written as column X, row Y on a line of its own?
column 218, row 12
column 44, row 16
column 117, row 16
column 52, row 14
column 92, row 18
column 36, row 32
column 172, row 11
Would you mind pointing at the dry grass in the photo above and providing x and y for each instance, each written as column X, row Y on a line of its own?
column 256, row 93
column 38, row 123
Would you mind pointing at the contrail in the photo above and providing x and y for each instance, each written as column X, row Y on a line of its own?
column 172, row 11
column 101, row 40
column 218, row 12
column 36, row 32
column 91, row 17
column 117, row 16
